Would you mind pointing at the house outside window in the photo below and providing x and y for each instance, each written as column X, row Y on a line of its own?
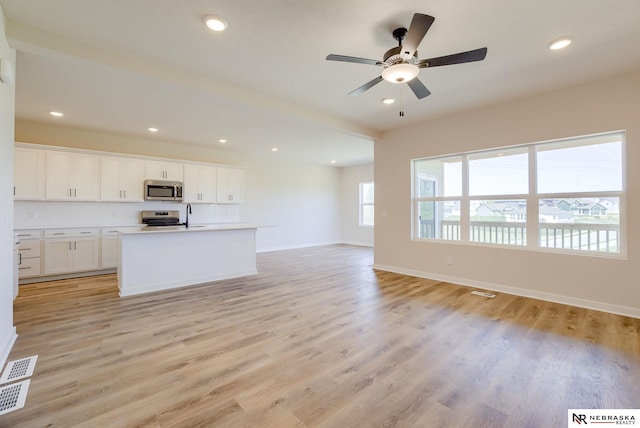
column 566, row 195
column 366, row 204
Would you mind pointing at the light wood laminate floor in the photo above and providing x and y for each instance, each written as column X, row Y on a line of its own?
column 316, row 339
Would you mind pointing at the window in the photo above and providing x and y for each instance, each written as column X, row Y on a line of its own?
column 565, row 195
column 366, row 204
column 438, row 191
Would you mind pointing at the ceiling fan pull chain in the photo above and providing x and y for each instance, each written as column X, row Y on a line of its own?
column 401, row 103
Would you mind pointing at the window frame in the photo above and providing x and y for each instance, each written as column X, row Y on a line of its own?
column 532, row 198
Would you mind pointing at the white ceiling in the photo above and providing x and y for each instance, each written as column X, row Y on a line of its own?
column 123, row 65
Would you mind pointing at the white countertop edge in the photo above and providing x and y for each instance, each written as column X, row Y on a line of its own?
column 181, row 229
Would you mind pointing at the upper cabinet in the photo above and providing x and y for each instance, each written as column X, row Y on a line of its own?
column 161, row 170
column 121, row 179
column 199, row 184
column 230, row 185
column 61, row 174
column 29, row 173
column 72, row 176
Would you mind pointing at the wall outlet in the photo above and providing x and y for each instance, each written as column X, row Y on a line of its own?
column 449, row 260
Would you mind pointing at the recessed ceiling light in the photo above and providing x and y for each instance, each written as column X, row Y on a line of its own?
column 560, row 43
column 274, row 149
column 153, row 129
column 215, row 23
column 222, row 141
column 56, row 113
column 388, row 101
column 333, row 161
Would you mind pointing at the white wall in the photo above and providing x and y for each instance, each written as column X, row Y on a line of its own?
column 294, row 205
column 7, row 102
column 352, row 232
column 597, row 282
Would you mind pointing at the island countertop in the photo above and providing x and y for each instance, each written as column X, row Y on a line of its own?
column 181, row 228
column 165, row 257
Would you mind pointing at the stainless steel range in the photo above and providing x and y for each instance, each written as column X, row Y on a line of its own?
column 160, row 218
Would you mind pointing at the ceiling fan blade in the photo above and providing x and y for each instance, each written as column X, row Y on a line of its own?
column 459, row 58
column 418, row 88
column 370, row 84
column 344, row 58
column 420, row 24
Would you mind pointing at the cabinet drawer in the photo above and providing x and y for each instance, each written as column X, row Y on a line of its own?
column 28, row 234
column 109, row 231
column 29, row 248
column 71, row 233
column 29, row 267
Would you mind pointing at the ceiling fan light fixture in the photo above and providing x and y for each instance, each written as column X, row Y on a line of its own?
column 215, row 23
column 400, row 73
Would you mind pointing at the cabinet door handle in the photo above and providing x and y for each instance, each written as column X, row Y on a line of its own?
column 75, row 245
column 84, row 233
column 75, row 193
column 58, row 233
column 125, row 194
column 19, row 258
column 24, row 268
column 69, row 245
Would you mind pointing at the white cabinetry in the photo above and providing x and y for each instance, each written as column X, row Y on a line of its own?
column 70, row 250
column 121, row 179
column 230, row 185
column 199, row 184
column 29, row 173
column 160, row 170
column 29, row 250
column 109, row 247
column 72, row 176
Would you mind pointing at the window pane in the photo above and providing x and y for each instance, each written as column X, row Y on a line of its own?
column 367, row 215
column 438, row 177
column 499, row 222
column 367, row 195
column 587, row 224
column 500, row 172
column 575, row 166
column 439, row 220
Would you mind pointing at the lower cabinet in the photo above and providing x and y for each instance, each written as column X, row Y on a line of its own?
column 109, row 248
column 71, row 251
column 29, row 250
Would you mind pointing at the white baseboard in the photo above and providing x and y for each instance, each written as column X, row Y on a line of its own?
column 550, row 297
column 295, row 247
column 6, row 347
column 358, row 244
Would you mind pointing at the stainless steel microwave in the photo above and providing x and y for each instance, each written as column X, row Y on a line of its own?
column 156, row 190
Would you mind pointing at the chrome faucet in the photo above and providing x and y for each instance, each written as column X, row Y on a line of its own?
column 186, row 222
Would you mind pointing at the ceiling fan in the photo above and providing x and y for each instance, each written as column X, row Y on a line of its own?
column 401, row 64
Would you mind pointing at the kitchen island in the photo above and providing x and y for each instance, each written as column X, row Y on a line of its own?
column 160, row 258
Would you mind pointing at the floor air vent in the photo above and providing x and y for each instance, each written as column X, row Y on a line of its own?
column 483, row 294
column 18, row 369
column 13, row 397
